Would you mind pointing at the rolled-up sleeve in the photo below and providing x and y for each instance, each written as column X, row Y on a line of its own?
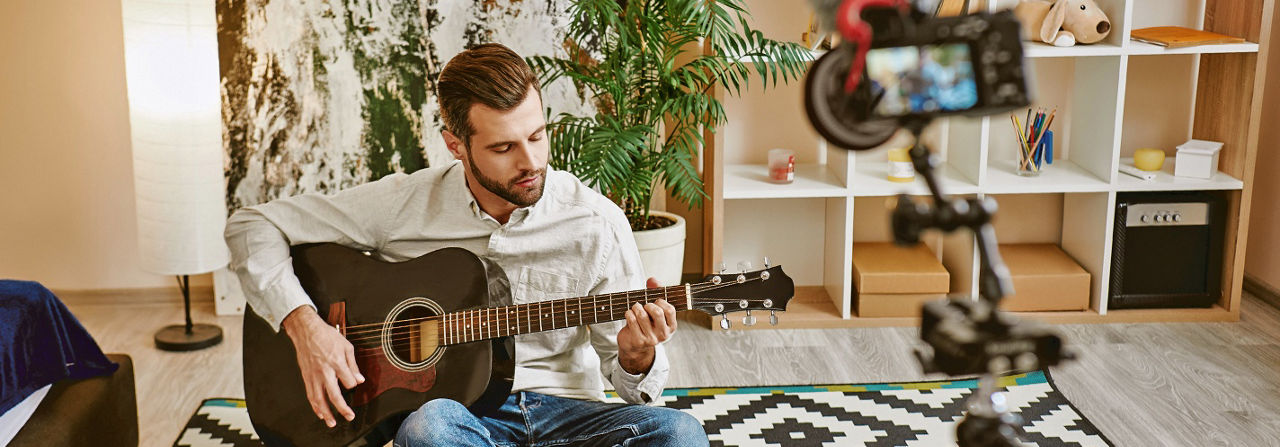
column 259, row 238
column 622, row 271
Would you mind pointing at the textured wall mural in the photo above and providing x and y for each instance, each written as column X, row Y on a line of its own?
column 320, row 95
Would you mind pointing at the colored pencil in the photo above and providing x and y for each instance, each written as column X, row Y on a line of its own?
column 1026, row 151
column 1043, row 121
column 1035, row 136
column 1026, row 135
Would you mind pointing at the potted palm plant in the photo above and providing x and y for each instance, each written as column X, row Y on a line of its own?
column 642, row 64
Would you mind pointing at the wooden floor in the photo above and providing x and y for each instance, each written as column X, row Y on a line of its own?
column 1177, row 384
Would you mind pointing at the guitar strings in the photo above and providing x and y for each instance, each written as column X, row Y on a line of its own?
column 403, row 339
column 498, row 315
column 406, row 341
column 498, row 330
column 487, row 315
column 526, row 314
column 611, row 297
column 531, row 309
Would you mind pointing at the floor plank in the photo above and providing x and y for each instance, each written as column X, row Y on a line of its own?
column 1171, row 384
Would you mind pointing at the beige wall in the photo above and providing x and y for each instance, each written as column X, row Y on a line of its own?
column 1263, row 256
column 66, row 185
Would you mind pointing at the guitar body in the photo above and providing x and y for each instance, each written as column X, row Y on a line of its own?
column 341, row 280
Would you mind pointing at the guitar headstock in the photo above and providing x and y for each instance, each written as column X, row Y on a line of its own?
column 769, row 289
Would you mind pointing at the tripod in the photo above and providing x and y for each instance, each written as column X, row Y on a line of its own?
column 966, row 336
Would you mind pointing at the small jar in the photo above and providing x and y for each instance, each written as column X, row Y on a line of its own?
column 782, row 165
column 900, row 167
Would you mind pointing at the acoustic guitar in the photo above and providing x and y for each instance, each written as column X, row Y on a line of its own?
column 437, row 326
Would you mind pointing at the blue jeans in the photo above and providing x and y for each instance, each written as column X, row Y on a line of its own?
column 537, row 420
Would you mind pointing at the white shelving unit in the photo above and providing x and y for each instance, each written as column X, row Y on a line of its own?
column 1112, row 98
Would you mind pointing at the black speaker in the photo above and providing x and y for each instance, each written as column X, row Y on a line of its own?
column 1167, row 250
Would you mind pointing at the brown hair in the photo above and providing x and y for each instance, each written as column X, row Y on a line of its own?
column 489, row 74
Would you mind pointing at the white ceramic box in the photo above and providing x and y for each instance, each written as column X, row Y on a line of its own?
column 1197, row 158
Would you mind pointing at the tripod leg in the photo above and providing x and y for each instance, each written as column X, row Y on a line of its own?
column 988, row 422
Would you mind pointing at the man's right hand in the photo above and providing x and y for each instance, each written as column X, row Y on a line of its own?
column 326, row 359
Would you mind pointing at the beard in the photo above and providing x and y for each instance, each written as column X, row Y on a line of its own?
column 521, row 197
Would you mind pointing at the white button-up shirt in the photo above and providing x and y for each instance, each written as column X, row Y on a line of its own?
column 573, row 242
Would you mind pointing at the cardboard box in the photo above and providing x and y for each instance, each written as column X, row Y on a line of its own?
column 893, row 281
column 1045, row 278
column 885, row 268
column 893, row 305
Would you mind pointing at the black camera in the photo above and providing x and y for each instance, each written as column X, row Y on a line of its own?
column 916, row 67
column 967, row 337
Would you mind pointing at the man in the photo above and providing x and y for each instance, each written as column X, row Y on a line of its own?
column 554, row 237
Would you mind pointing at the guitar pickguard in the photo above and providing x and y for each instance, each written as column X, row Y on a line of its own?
column 389, row 377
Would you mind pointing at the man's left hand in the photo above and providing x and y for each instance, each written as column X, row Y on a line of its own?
column 647, row 327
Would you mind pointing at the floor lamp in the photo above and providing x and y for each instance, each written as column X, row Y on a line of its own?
column 171, row 66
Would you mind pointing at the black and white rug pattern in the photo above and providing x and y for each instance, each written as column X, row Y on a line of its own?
column 883, row 414
column 219, row 422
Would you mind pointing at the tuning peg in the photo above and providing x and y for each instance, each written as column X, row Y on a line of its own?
column 721, row 268
column 773, row 318
column 766, row 262
column 748, row 319
column 744, row 266
column 724, row 322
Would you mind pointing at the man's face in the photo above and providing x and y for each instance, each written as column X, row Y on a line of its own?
column 508, row 150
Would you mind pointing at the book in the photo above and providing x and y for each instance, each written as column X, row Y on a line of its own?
column 1140, row 174
column 1179, row 37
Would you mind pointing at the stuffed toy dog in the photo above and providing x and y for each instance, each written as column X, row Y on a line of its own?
column 1062, row 23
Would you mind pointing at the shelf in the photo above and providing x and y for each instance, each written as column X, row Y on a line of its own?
column 1133, row 48
column 1061, row 176
column 1112, row 97
column 811, row 309
column 1215, row 313
column 1041, row 49
column 1166, row 181
column 870, row 179
column 1136, row 48
column 749, row 181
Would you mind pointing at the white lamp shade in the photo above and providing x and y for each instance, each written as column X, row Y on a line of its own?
column 171, row 66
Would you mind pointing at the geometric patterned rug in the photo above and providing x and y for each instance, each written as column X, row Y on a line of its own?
column 882, row 414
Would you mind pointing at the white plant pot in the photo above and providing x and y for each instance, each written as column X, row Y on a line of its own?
column 662, row 250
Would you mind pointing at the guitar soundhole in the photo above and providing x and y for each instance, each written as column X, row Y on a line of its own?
column 411, row 336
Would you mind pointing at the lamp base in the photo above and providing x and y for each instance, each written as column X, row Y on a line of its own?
column 176, row 338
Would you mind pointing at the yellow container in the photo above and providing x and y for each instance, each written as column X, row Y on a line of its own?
column 900, row 169
column 1148, row 159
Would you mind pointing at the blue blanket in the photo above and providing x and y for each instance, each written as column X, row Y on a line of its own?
column 41, row 342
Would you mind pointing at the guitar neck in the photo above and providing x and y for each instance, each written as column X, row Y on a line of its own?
column 481, row 324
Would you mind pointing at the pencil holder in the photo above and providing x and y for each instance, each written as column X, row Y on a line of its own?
column 1035, row 142
column 1027, row 164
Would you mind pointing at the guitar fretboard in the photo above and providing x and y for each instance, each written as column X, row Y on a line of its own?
column 481, row 324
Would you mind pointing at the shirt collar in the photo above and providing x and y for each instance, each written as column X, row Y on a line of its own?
column 459, row 181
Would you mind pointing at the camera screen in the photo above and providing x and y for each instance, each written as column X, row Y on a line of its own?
column 926, row 79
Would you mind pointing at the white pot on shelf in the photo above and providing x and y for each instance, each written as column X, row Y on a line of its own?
column 662, row 250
